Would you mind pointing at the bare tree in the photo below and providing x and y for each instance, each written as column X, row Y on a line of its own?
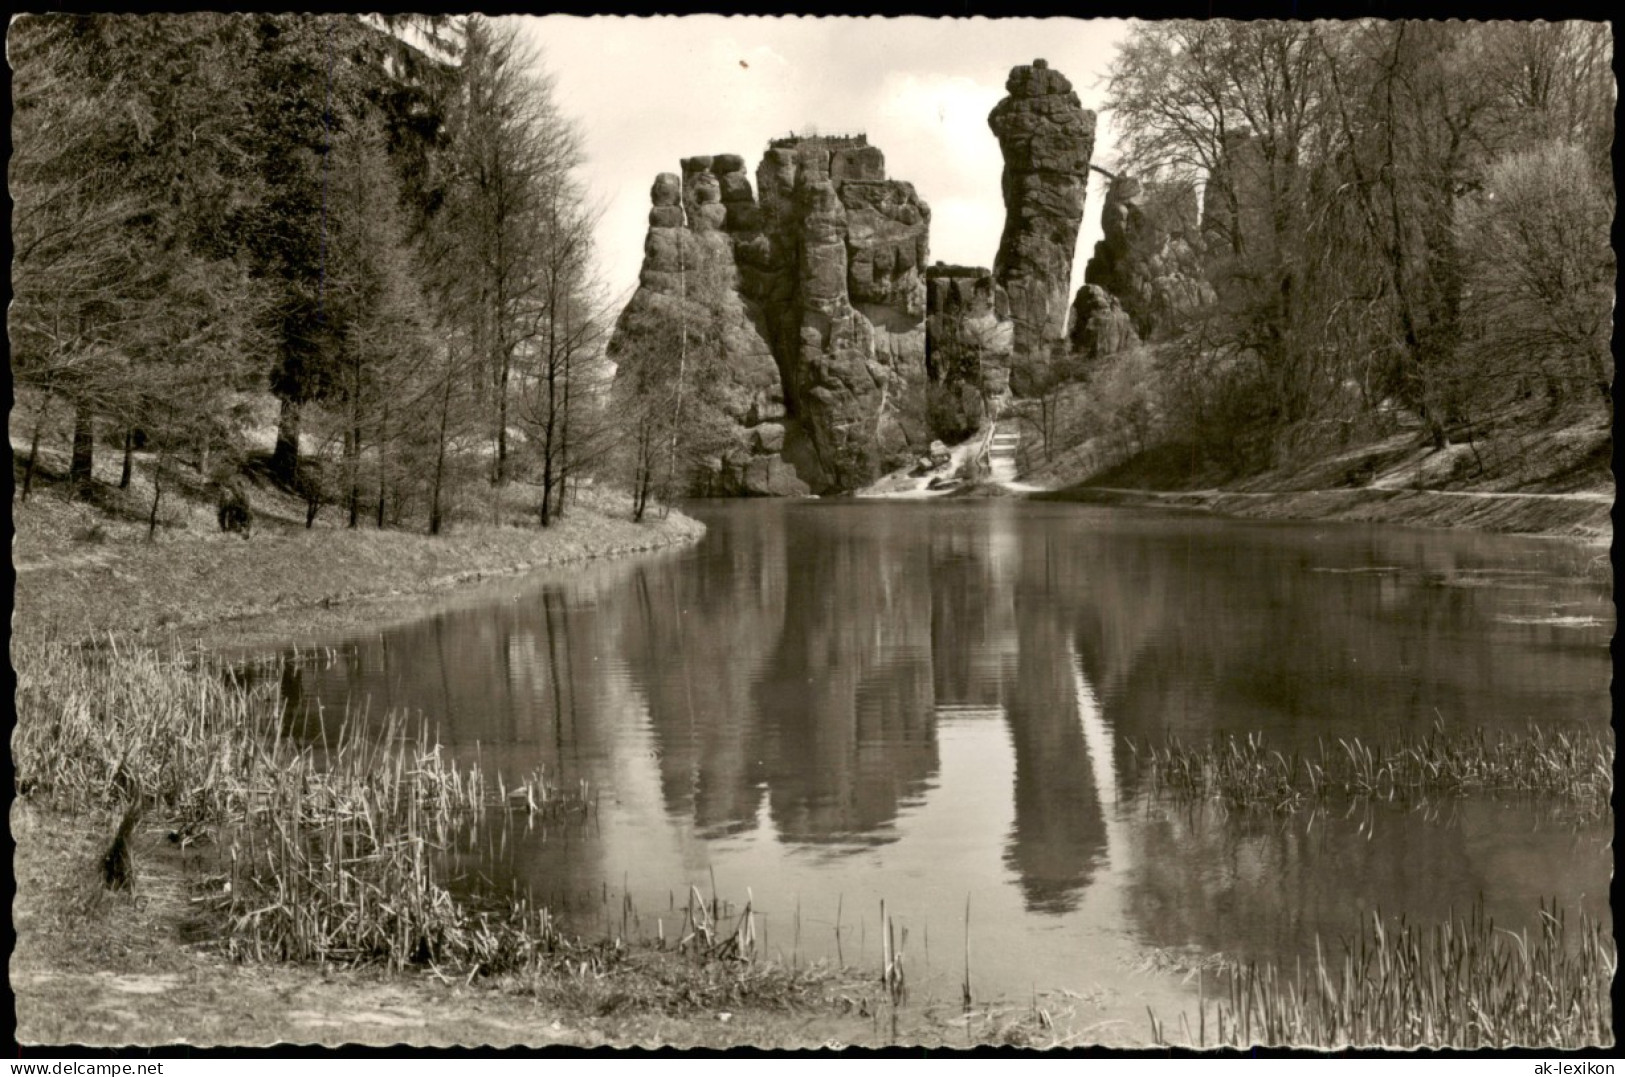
column 1540, row 271
column 565, row 334
column 511, row 161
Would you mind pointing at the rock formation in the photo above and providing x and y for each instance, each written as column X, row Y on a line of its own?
column 1099, row 325
column 843, row 289
column 968, row 337
column 688, row 291
column 1046, row 137
column 816, row 294
column 1149, row 258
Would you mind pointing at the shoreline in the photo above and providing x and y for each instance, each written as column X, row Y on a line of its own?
column 1580, row 519
column 224, row 592
column 262, row 629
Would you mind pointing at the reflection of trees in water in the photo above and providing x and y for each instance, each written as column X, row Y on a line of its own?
column 511, row 678
column 972, row 619
column 512, row 684
column 1245, row 629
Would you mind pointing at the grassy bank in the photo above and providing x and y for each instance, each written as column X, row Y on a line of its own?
column 1586, row 519
column 150, row 967
column 1534, row 474
column 81, row 574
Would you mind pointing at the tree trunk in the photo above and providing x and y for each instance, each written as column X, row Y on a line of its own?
column 129, row 458
column 682, row 367
column 440, row 460
column 383, row 469
column 82, row 463
column 640, row 474
column 501, row 475
column 33, row 448
column 352, row 465
column 285, row 458
column 309, row 487
column 547, row 447
column 564, row 435
column 157, row 495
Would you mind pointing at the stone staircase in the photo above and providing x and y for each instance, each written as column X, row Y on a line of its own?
column 1001, row 454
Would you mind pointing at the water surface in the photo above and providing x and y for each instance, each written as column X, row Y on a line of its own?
column 834, row 703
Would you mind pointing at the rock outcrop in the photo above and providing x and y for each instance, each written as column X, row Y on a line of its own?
column 1047, row 138
column 1099, row 325
column 968, row 337
column 688, row 300
column 814, row 301
column 1149, row 257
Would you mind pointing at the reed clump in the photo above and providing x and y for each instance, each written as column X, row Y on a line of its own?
column 1460, row 983
column 337, row 860
column 332, row 849
column 98, row 726
column 1242, row 772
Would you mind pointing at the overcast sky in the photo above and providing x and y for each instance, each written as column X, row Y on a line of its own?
column 650, row 91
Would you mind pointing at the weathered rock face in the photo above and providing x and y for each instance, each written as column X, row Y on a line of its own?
column 689, row 286
column 817, row 292
column 1150, row 255
column 1046, row 137
column 1100, row 326
column 841, row 282
column 968, row 337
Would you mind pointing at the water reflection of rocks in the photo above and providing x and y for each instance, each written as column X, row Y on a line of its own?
column 792, row 672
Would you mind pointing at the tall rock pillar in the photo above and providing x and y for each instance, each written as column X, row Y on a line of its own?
column 1047, row 137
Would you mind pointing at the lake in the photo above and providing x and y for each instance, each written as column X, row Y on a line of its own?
column 932, row 703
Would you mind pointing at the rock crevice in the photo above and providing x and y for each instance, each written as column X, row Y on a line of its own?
column 968, row 337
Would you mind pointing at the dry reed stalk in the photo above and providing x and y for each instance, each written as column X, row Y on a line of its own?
column 966, row 992
column 1459, row 983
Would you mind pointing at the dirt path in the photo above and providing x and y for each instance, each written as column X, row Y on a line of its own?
column 1576, row 515
column 1394, row 486
column 1595, row 497
column 239, row 1005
